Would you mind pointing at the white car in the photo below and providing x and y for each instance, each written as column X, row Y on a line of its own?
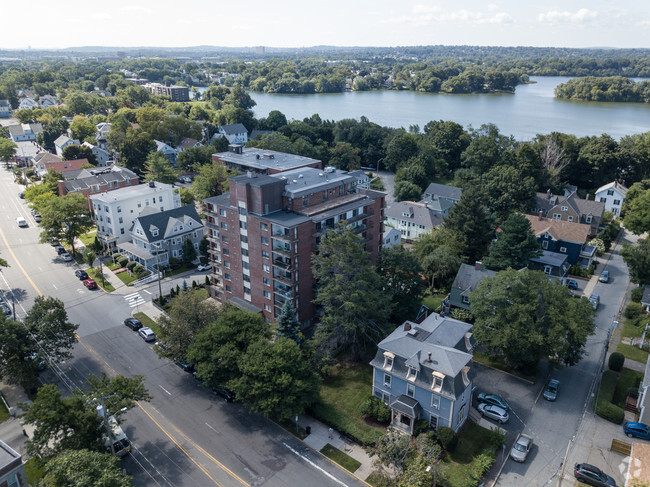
column 21, row 221
column 66, row 257
column 493, row 412
column 203, row 267
column 147, row 334
column 521, row 448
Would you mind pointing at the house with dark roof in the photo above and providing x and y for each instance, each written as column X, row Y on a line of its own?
column 62, row 142
column 467, row 279
column 553, row 264
column 186, row 143
column 564, row 237
column 569, row 207
column 412, row 219
column 235, row 133
column 424, row 371
column 100, row 180
column 443, row 192
column 158, row 237
column 24, row 131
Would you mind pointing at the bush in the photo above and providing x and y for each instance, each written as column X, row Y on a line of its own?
column 616, row 361
column 448, row 438
column 637, row 294
column 116, row 256
column 604, row 407
column 461, row 314
column 375, row 408
column 207, row 280
column 610, row 412
column 131, row 265
column 122, row 261
column 139, row 271
column 420, row 426
column 633, row 311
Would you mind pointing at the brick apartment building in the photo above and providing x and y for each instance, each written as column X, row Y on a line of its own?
column 100, row 180
column 175, row 92
column 263, row 232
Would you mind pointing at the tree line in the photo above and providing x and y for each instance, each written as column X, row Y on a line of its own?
column 610, row 88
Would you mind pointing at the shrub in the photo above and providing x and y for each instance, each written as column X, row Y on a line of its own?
column 604, row 407
column 122, row 261
column 131, row 265
column 207, row 280
column 193, row 283
column 633, row 311
column 637, row 294
column 139, row 270
column 616, row 361
column 461, row 314
column 376, row 408
column 610, row 412
column 599, row 244
column 497, row 439
column 162, row 300
column 448, row 438
column 420, row 426
column 116, row 256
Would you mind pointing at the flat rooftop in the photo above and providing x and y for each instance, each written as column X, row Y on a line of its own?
column 130, row 192
column 261, row 159
column 306, row 180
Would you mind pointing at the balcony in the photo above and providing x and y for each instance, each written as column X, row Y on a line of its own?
column 284, row 279
column 284, row 264
column 283, row 250
column 284, row 235
column 214, row 226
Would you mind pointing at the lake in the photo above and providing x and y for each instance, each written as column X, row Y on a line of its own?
column 531, row 110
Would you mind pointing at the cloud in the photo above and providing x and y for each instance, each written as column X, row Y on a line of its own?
column 492, row 7
column 101, row 16
column 184, row 22
column 425, row 15
column 582, row 16
column 136, row 8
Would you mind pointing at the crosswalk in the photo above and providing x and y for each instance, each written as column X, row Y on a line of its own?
column 134, row 299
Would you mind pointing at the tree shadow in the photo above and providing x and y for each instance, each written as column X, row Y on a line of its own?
column 18, row 294
column 159, row 462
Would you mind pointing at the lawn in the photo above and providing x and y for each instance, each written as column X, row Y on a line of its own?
column 126, row 278
column 179, row 270
column 343, row 459
column 34, row 469
column 631, row 330
column 497, row 363
column 433, row 302
column 88, row 238
column 458, row 467
column 341, row 396
column 4, row 412
column 105, row 285
column 147, row 321
column 627, row 380
column 633, row 353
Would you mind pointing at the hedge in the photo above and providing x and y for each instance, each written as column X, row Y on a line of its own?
column 637, row 294
column 343, row 424
column 604, row 407
column 616, row 361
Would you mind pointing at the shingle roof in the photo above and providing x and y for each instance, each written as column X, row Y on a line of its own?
column 84, row 178
column 63, row 139
column 418, row 213
column 559, row 230
column 614, row 184
column 187, row 142
column 43, row 157
column 236, row 128
column 451, row 192
column 164, row 221
column 64, row 166
column 582, row 207
column 468, row 277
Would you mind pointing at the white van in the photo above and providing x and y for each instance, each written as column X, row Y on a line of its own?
column 21, row 221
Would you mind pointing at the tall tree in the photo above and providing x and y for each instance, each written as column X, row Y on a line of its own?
column 47, row 323
column 74, row 152
column 514, row 245
column 189, row 252
column 473, row 224
column 349, row 290
column 83, row 468
column 120, row 393
column 18, row 365
column 637, row 214
column 7, row 149
column 82, row 128
column 157, row 168
column 287, row 325
column 276, row 379
column 65, row 218
column 403, row 283
column 507, row 189
column 637, row 258
column 212, row 180
column 522, row 317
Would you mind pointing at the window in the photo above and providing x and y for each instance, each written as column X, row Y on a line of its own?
column 411, row 374
column 264, row 226
column 267, row 294
column 121, row 220
column 13, row 481
column 226, row 252
column 461, row 414
column 557, row 216
column 265, row 254
column 438, row 379
column 108, row 219
column 610, row 192
column 224, row 226
column 588, row 220
column 388, row 360
column 266, row 281
column 435, row 401
column 545, row 244
column 547, row 269
column 224, row 239
column 465, row 374
column 196, row 246
column 122, row 231
column 227, row 277
column 228, row 289
column 617, row 202
column 226, row 265
column 603, row 200
column 410, row 390
column 565, row 208
column 465, row 300
column 387, row 380
column 433, row 421
column 266, row 268
column 242, row 211
column 267, row 307
column 119, row 209
column 570, row 218
column 222, row 212
column 265, row 241
column 563, row 250
column 243, row 238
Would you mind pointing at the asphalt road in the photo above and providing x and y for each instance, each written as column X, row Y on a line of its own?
column 185, row 436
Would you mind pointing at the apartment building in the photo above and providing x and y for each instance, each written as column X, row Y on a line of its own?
column 175, row 92
column 262, row 161
column 263, row 232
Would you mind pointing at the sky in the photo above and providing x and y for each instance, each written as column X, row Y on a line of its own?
column 304, row 23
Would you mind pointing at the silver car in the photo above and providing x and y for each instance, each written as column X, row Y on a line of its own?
column 147, row 334
column 496, row 413
column 521, row 448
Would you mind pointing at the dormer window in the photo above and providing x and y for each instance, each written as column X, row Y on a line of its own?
column 388, row 360
column 465, row 374
column 588, row 220
column 438, row 378
column 468, row 341
column 411, row 374
column 154, row 232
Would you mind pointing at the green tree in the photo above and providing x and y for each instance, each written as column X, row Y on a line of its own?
column 276, row 379
column 514, row 245
column 52, row 131
column 212, row 180
column 89, row 258
column 120, row 393
column 77, row 104
column 507, row 189
column 403, row 284
column 345, row 156
column 65, row 218
column 204, row 245
column 189, row 252
column 393, row 450
column 7, row 150
column 135, row 148
column 16, row 351
column 195, row 156
column 637, row 259
column 470, row 220
column 441, row 264
column 157, row 168
column 187, row 197
column 407, row 191
column 522, row 317
column 82, row 128
column 74, row 152
column 48, row 325
column 83, row 468
column 286, row 325
column 637, row 215
column 400, row 149
column 349, row 290
column 37, row 195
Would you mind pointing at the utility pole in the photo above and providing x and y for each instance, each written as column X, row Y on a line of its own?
column 107, row 426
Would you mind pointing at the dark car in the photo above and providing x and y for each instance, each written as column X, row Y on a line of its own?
column 572, row 284
column 81, row 274
column 61, row 250
column 551, row 389
column 5, row 308
column 21, row 195
column 227, row 395
column 184, row 364
column 636, row 430
column 493, row 399
column 133, row 323
column 590, row 475
column 90, row 284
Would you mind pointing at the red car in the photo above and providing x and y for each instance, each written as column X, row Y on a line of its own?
column 90, row 284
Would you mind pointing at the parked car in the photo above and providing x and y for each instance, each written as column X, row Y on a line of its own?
column 521, row 448
column 227, row 395
column 41, row 364
column 590, row 475
column 594, row 300
column 572, row 284
column 636, row 430
column 21, row 195
column 551, row 389
column 21, row 222
column 183, row 364
column 604, row 276
column 147, row 334
column 5, row 308
column 203, row 267
column 66, row 257
column 81, row 274
column 90, row 283
column 493, row 399
column 60, row 249
column 37, row 218
column 496, row 413
column 55, row 243
column 133, row 323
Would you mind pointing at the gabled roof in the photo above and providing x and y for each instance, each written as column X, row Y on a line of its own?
column 418, row 213
column 444, row 191
column 468, row 277
column 64, row 139
column 85, row 178
column 164, row 221
column 64, row 166
column 162, row 146
column 236, row 128
column 188, row 142
column 43, row 157
column 582, row 207
column 18, row 130
column 613, row 185
column 559, row 230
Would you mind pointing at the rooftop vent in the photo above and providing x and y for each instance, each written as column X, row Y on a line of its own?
column 152, row 184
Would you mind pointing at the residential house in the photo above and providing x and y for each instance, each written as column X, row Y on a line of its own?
column 412, row 219
column 44, row 165
column 363, row 180
column 47, row 101
column 43, row 157
column 101, row 135
column 235, row 133
column 100, row 180
column 5, row 109
column 62, row 142
column 25, row 131
column 467, row 279
column 157, row 237
column 613, row 195
column 186, row 143
column 168, row 151
column 12, row 470
column 564, row 237
column 102, row 155
column 27, row 104
column 116, row 210
column 260, row 161
column 553, row 264
column 645, row 300
column 424, row 371
column 569, row 207
column 263, row 233
column 392, row 237
column 442, row 192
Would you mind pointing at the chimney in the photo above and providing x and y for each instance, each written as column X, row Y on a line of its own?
column 540, row 215
column 477, row 265
column 429, row 359
column 407, row 326
column 152, row 184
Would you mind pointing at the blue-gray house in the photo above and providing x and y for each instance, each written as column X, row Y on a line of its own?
column 564, row 237
column 424, row 371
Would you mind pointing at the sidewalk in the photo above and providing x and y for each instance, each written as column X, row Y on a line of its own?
column 12, row 431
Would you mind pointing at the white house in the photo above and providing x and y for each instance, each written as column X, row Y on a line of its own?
column 115, row 211
column 168, row 151
column 5, row 109
column 24, row 131
column 101, row 135
column 392, row 237
column 62, row 142
column 235, row 133
column 613, row 195
column 412, row 219
column 47, row 101
column 101, row 154
column 27, row 104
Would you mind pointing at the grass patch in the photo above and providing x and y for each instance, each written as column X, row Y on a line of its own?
column 112, row 265
column 147, row 321
column 88, row 238
column 498, row 363
column 179, row 270
column 290, row 427
column 341, row 396
column 126, row 278
column 433, row 301
column 633, row 353
column 97, row 276
column 4, row 412
column 343, row 459
column 630, row 329
column 629, row 379
column 35, row 470
column 458, row 467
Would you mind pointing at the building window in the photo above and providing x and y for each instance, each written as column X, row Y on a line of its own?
column 465, row 374
column 265, row 241
column 610, row 192
column 570, row 218
column 266, row 268
column 222, row 212
column 264, row 226
column 226, row 265
column 121, row 220
column 243, row 238
column 617, row 202
column 119, row 209
column 547, row 269
column 461, row 414
column 465, row 300
column 224, row 239
column 228, row 289
column 227, row 277
column 588, row 220
column 563, row 250
column 433, row 421
column 13, row 481
column 267, row 294
column 388, row 360
column 410, row 390
column 224, row 226
column 122, row 230
column 267, row 307
column 435, row 401
column 226, row 251
column 557, row 216
column 242, row 211
column 438, row 378
column 545, row 244
column 265, row 254
column 387, row 380
column 411, row 374
column 266, row 281
column 603, row 200
column 565, row 208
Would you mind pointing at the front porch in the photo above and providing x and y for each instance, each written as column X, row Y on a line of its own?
column 143, row 256
column 404, row 412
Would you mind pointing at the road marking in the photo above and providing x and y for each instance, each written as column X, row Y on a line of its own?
column 316, row 466
column 209, row 426
column 29, row 279
column 164, row 389
column 54, row 286
column 134, row 299
column 146, row 291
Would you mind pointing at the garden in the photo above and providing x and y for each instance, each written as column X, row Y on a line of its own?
column 635, row 323
column 616, row 385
